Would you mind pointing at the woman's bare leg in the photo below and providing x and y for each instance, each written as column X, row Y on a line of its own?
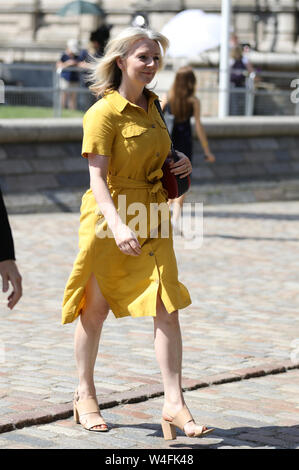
column 87, row 336
column 168, row 348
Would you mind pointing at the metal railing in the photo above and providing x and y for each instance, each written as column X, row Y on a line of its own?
column 263, row 93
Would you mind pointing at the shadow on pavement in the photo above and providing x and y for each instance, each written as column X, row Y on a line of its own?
column 279, row 437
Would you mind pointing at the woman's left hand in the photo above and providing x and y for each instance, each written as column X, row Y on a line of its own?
column 183, row 167
column 209, row 157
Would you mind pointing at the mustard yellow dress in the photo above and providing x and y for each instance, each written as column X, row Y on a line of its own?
column 137, row 144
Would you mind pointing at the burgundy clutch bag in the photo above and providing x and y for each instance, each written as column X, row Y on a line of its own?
column 174, row 185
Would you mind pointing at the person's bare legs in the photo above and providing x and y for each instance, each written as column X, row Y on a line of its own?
column 168, row 348
column 87, row 336
column 73, row 100
column 176, row 205
column 63, row 99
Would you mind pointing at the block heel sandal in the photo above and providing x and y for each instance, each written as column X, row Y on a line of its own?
column 87, row 413
column 180, row 420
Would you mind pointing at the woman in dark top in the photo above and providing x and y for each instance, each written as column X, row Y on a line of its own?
column 69, row 78
column 182, row 103
column 240, row 68
column 8, row 268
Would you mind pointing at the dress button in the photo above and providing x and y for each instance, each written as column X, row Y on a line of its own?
column 157, row 154
column 151, row 253
column 153, row 126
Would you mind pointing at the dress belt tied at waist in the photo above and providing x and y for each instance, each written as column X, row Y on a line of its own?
column 153, row 183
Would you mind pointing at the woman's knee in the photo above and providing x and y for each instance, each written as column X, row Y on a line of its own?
column 95, row 314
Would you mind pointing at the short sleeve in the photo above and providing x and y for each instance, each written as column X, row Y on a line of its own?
column 98, row 131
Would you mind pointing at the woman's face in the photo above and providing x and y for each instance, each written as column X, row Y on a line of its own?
column 141, row 63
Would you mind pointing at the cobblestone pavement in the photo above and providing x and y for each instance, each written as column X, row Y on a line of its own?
column 259, row 413
column 243, row 282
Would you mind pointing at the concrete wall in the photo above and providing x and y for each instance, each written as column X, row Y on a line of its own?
column 257, row 160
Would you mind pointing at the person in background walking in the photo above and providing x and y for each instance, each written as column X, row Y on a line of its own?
column 240, row 68
column 8, row 268
column 69, row 79
column 182, row 104
column 245, row 49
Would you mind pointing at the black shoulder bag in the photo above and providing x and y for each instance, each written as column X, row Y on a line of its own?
column 174, row 185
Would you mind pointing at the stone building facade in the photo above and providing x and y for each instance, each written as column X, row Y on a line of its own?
column 30, row 30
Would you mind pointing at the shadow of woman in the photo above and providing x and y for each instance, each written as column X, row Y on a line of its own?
column 278, row 437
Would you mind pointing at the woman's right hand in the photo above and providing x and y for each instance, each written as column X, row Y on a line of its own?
column 126, row 240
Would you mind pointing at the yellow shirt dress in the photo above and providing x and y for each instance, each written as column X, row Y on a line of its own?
column 137, row 143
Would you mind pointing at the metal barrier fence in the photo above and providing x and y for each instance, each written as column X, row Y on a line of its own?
column 264, row 93
column 41, row 86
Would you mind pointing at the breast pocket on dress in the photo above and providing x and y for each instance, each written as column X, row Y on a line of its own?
column 135, row 137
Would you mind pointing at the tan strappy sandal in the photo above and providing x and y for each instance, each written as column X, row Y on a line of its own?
column 180, row 420
column 87, row 413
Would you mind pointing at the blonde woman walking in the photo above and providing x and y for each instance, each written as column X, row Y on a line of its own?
column 126, row 143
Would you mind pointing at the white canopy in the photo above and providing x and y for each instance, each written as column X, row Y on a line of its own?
column 191, row 32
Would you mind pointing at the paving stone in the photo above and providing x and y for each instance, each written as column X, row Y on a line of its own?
column 23, row 439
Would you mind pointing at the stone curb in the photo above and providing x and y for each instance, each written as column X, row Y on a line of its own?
column 66, row 130
column 63, row 411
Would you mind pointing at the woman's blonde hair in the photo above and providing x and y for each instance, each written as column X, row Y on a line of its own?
column 105, row 74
